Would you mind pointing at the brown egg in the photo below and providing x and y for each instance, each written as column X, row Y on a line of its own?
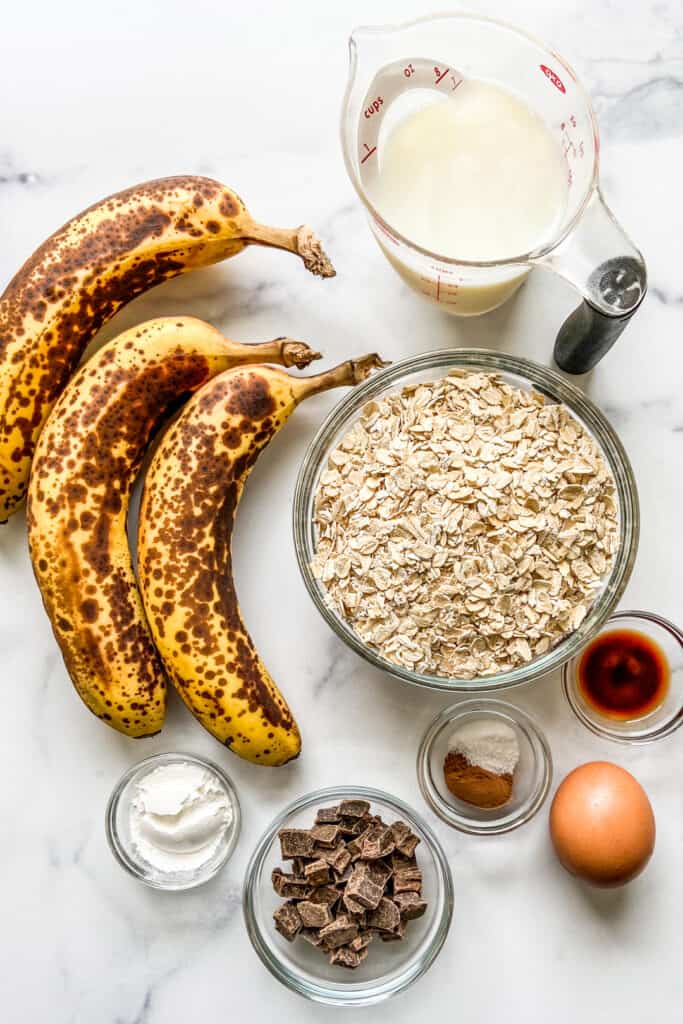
column 602, row 825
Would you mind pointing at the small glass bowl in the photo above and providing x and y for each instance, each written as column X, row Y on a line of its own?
column 521, row 373
column 531, row 780
column 660, row 722
column 118, row 827
column 391, row 966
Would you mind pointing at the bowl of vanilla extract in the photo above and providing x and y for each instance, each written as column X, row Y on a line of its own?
column 627, row 683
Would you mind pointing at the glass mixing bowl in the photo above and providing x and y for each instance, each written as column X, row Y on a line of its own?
column 391, row 966
column 522, row 373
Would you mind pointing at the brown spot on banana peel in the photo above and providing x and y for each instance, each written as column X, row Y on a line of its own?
column 187, row 515
column 85, row 465
column 85, row 272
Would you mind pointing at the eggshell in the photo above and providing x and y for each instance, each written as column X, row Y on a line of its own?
column 602, row 825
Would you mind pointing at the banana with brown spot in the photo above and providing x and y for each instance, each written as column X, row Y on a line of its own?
column 190, row 498
column 99, row 261
column 84, row 468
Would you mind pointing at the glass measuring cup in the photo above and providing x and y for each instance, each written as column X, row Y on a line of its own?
column 394, row 69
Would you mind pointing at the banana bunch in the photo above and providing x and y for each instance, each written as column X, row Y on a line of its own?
column 191, row 494
column 99, row 261
column 85, row 464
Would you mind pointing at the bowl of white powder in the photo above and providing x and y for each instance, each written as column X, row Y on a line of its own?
column 173, row 821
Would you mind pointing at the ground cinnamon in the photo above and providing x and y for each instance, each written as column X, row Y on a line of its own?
column 476, row 785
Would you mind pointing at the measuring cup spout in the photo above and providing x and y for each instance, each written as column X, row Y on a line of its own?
column 604, row 265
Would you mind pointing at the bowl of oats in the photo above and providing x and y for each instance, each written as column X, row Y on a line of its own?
column 466, row 519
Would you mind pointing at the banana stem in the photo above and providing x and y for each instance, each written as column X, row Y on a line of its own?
column 301, row 241
column 353, row 371
column 284, row 351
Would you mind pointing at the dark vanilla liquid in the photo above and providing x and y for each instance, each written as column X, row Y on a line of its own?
column 624, row 674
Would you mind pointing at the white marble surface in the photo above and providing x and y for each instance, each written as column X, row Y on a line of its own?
column 99, row 96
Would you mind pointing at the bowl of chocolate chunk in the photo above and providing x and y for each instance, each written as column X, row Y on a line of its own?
column 348, row 896
column 484, row 766
column 466, row 519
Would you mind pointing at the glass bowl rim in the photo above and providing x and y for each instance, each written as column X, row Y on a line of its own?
column 317, row 992
column 604, row 732
column 117, row 847
column 552, row 385
column 526, row 722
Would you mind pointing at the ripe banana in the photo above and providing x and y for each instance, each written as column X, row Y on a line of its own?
column 190, row 498
column 84, row 468
column 100, row 260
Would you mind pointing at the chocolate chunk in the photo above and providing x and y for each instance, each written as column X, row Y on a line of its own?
column 354, row 808
column 290, row 887
column 314, row 915
column 362, row 889
column 386, row 917
column 326, row 835
column 379, row 871
column 352, row 826
column 326, row 894
column 410, row 905
column 399, row 860
column 295, row 890
column 396, row 935
column 346, row 957
column 338, row 858
column 277, row 877
column 342, row 877
column 405, row 838
column 295, row 842
column 407, row 880
column 354, row 906
column 408, row 845
column 355, row 846
column 298, row 865
column 361, row 941
column 400, row 831
column 339, row 932
column 317, row 872
column 311, row 935
column 327, row 816
column 287, row 921
column 377, row 842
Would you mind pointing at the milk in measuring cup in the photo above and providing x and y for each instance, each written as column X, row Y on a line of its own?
column 476, row 176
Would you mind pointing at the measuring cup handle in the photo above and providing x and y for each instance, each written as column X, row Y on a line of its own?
column 586, row 336
column 604, row 265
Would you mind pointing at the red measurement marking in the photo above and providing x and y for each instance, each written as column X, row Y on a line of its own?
column 408, row 71
column 555, row 79
column 373, row 108
column 441, row 74
column 369, row 152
